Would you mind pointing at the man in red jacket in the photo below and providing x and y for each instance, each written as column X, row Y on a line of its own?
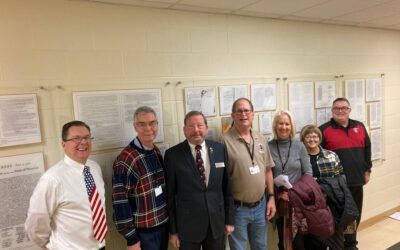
column 349, row 139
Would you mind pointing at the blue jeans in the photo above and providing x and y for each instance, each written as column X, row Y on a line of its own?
column 250, row 224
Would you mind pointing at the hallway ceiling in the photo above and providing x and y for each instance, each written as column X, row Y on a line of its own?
column 383, row 14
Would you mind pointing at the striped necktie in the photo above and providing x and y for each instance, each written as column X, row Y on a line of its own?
column 98, row 215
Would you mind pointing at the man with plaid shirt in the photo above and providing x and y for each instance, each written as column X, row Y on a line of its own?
column 139, row 191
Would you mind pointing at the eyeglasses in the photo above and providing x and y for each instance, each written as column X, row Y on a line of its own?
column 245, row 111
column 311, row 137
column 79, row 139
column 338, row 109
column 143, row 125
column 193, row 126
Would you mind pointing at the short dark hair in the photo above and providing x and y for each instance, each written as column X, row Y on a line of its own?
column 145, row 110
column 242, row 99
column 68, row 125
column 341, row 99
column 193, row 113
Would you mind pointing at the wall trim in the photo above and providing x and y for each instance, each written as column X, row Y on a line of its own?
column 377, row 218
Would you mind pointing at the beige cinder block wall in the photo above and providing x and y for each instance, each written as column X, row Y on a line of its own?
column 68, row 46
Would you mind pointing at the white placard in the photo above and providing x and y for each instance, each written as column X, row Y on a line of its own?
column 110, row 114
column 355, row 93
column 301, row 103
column 375, row 115
column 324, row 93
column 228, row 95
column 19, row 120
column 376, row 144
column 374, row 89
column 265, row 122
column 18, row 177
column 263, row 96
column 201, row 99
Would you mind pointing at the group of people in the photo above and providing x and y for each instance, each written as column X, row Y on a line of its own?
column 202, row 191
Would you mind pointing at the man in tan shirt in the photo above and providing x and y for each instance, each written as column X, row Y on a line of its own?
column 250, row 169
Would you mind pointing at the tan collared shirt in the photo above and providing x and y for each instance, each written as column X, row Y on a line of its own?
column 247, row 187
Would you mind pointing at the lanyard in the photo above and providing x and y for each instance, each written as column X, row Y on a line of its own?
column 251, row 152
column 280, row 157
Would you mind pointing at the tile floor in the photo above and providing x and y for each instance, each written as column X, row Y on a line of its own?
column 379, row 236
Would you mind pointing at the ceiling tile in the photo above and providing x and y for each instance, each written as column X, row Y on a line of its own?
column 371, row 13
column 200, row 9
column 366, row 13
column 388, row 20
column 218, row 4
column 282, row 7
column 154, row 4
column 336, row 8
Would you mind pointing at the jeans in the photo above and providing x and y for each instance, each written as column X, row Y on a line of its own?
column 250, row 224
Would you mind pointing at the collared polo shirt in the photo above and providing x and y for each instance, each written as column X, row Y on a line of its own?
column 247, row 187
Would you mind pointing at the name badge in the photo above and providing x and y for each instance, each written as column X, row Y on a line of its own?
column 254, row 170
column 219, row 164
column 158, row 190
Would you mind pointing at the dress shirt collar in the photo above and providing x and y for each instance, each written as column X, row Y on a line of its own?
column 74, row 164
column 203, row 146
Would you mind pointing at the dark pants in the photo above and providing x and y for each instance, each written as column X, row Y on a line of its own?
column 209, row 243
column 350, row 240
column 311, row 242
column 153, row 238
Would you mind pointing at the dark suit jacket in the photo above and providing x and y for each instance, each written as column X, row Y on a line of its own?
column 192, row 205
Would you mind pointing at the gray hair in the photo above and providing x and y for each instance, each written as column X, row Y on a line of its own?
column 143, row 110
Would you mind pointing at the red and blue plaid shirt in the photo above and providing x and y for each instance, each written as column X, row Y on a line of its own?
column 137, row 173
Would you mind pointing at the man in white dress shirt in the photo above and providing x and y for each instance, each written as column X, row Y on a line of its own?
column 60, row 215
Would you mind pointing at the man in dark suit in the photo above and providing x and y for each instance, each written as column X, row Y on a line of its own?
column 200, row 203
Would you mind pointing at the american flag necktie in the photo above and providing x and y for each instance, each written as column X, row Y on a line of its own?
column 98, row 215
column 200, row 163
